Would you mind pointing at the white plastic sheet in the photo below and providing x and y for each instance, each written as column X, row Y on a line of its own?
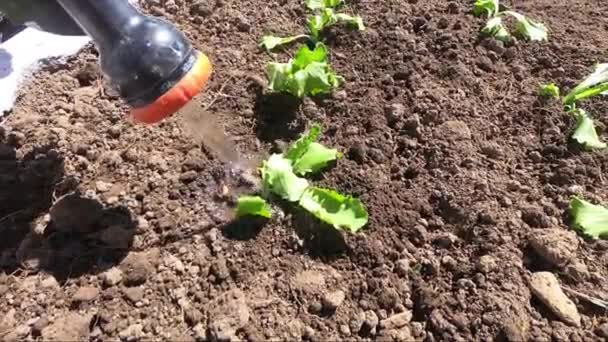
column 21, row 55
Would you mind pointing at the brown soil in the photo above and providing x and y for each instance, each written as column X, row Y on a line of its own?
column 460, row 164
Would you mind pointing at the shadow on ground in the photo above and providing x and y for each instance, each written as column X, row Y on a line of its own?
column 318, row 239
column 46, row 226
column 276, row 117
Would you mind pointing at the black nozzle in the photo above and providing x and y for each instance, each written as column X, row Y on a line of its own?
column 141, row 56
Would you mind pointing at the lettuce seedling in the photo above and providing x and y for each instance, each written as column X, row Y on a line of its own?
column 308, row 156
column 528, row 29
column 324, row 17
column 308, row 73
column 487, row 7
column 327, row 17
column 280, row 177
column 333, row 208
column 549, row 90
column 585, row 133
column 252, row 205
column 320, row 4
column 524, row 28
column 271, row 42
column 495, row 28
column 590, row 219
column 594, row 84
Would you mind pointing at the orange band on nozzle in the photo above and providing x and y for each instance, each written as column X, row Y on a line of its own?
column 178, row 96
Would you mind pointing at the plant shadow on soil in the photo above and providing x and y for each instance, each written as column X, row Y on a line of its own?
column 276, row 117
column 81, row 236
column 319, row 239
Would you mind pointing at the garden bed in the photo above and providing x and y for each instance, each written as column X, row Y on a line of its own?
column 465, row 172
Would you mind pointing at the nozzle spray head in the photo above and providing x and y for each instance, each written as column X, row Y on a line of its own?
column 150, row 63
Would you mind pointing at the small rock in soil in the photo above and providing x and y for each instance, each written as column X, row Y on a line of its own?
column 577, row 270
column 227, row 314
column 396, row 321
column 85, row 294
column 557, row 246
column 399, row 335
column 50, row 283
column 445, row 240
column 136, row 268
column 491, row 150
column 112, row 276
column 102, row 186
column 315, row 307
column 454, row 130
column 200, row 334
column 309, row 333
column 39, row 325
column 402, row 267
column 220, row 269
column 545, row 286
column 394, row 112
column 132, row 333
column 188, row 176
column 494, row 45
column 515, row 329
column 73, row 213
column 358, row 152
column 133, row 294
column 388, row 298
column 371, row 322
column 67, row 327
column 174, row 263
column 195, row 163
column 535, row 217
column 485, row 63
column 486, row 264
column 192, row 316
column 332, row 300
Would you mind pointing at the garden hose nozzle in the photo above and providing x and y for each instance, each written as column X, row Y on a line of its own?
column 148, row 61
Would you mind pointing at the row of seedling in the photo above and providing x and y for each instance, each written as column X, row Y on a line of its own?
column 308, row 73
column 589, row 218
column 496, row 27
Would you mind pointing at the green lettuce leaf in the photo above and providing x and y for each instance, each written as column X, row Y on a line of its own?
column 315, row 158
column 585, row 133
column 320, row 4
column 487, row 7
column 353, row 21
column 342, row 212
column 495, row 28
column 279, row 178
column 271, row 42
column 529, row 29
column 299, row 147
column 590, row 219
column 252, row 206
column 305, row 56
column 308, row 73
column 594, row 84
column 327, row 17
column 549, row 90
